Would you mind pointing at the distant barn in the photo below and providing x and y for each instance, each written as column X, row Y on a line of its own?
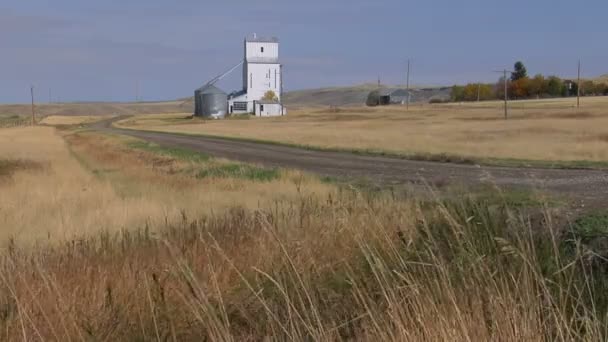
column 387, row 96
column 392, row 96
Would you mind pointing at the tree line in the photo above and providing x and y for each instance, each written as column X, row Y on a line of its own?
column 520, row 86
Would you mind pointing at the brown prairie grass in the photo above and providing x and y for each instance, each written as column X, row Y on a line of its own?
column 99, row 183
column 141, row 257
column 59, row 120
column 348, row 267
column 544, row 130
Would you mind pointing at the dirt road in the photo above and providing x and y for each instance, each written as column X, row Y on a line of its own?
column 586, row 187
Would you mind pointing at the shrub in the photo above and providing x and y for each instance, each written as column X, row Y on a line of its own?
column 373, row 99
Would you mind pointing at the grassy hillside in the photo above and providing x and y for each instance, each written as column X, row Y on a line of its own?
column 96, row 108
column 355, row 95
column 343, row 96
column 602, row 79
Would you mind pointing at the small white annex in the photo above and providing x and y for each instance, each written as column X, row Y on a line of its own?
column 261, row 74
column 268, row 108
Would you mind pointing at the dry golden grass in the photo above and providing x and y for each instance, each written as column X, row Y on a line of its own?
column 58, row 120
column 343, row 268
column 551, row 130
column 118, row 188
column 140, row 250
column 95, row 108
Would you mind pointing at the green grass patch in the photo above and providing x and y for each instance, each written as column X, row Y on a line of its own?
column 591, row 226
column 213, row 170
column 174, row 152
column 242, row 171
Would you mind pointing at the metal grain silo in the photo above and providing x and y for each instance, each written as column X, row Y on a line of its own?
column 211, row 102
column 197, row 103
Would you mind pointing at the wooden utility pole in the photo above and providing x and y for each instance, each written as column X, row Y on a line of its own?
column 504, row 72
column 578, row 86
column 407, row 106
column 33, row 111
column 506, row 96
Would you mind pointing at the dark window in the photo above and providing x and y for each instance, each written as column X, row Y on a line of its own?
column 239, row 106
column 261, row 108
column 262, row 49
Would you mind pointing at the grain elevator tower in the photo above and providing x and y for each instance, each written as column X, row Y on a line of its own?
column 261, row 73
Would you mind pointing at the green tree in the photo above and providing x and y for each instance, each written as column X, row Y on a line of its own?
column 537, row 86
column 457, row 94
column 520, row 71
column 500, row 88
column 373, row 99
column 555, row 86
column 591, row 88
column 520, row 89
column 270, row 96
column 474, row 91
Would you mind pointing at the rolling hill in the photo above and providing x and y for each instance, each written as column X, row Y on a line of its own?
column 355, row 95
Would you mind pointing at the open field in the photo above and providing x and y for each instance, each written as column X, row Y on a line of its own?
column 60, row 120
column 99, row 183
column 106, row 237
column 94, row 108
column 537, row 131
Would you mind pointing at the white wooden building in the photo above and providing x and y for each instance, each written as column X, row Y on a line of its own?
column 261, row 73
column 268, row 108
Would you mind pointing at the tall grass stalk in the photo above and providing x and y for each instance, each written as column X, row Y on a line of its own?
column 348, row 267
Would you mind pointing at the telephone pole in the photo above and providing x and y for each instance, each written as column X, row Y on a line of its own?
column 407, row 106
column 33, row 111
column 506, row 96
column 504, row 72
column 578, row 86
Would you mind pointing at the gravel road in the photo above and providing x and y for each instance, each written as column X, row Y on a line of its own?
column 587, row 188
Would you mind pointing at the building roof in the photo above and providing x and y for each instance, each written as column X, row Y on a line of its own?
column 210, row 89
column 236, row 94
column 255, row 39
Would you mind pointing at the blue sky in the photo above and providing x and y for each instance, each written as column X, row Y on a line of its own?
column 99, row 50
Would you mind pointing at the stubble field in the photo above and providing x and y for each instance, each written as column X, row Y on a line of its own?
column 537, row 131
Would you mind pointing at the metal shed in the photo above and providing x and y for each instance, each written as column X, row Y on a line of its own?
column 392, row 96
column 210, row 102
